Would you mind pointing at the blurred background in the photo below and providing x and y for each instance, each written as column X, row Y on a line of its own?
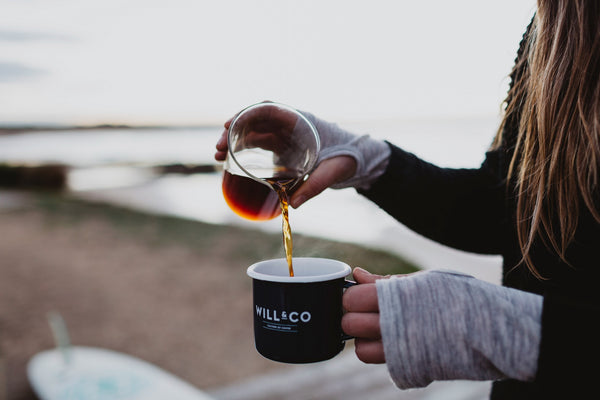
column 195, row 62
column 111, row 210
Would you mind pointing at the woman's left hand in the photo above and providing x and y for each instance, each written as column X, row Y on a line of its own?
column 361, row 319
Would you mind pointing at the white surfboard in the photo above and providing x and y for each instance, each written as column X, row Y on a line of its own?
column 87, row 373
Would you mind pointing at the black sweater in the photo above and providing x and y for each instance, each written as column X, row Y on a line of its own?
column 472, row 210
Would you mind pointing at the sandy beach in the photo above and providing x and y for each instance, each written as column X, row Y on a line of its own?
column 170, row 291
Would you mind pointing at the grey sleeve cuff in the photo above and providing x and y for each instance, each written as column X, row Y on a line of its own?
column 443, row 326
column 371, row 155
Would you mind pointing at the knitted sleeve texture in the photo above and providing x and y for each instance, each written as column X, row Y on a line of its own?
column 439, row 325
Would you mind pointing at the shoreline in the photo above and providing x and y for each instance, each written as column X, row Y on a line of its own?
column 13, row 129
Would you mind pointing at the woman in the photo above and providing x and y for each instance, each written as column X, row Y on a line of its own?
column 534, row 200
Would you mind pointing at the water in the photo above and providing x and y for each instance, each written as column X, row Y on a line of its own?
column 108, row 147
column 116, row 165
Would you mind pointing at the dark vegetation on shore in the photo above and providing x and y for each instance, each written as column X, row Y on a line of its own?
column 36, row 177
column 22, row 128
column 54, row 176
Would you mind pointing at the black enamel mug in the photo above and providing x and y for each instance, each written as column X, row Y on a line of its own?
column 298, row 319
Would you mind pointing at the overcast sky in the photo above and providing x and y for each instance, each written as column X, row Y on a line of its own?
column 197, row 61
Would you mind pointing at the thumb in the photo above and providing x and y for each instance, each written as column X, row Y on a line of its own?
column 364, row 276
column 327, row 173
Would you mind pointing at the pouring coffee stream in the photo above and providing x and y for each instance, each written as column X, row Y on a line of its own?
column 271, row 149
column 282, row 187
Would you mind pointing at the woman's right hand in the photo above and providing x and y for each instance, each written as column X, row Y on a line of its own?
column 327, row 173
column 345, row 160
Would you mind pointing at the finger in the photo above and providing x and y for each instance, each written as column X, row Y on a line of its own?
column 222, row 142
column 221, row 146
column 361, row 298
column 220, row 155
column 362, row 325
column 369, row 351
column 327, row 173
column 364, row 276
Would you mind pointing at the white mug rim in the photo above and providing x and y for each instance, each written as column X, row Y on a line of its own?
column 335, row 270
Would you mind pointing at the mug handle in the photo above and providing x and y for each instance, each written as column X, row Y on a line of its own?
column 348, row 284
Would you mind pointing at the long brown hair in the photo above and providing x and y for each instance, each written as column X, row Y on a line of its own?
column 556, row 101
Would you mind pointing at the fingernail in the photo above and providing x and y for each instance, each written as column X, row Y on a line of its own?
column 359, row 269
